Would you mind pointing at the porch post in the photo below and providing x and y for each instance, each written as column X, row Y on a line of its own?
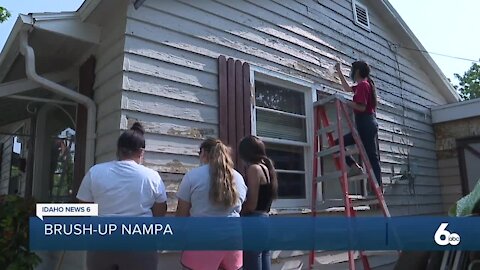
column 30, row 158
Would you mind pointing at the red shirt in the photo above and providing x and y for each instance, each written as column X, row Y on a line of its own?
column 363, row 95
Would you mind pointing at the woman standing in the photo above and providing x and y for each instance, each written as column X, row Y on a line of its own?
column 262, row 189
column 213, row 190
column 364, row 105
column 124, row 188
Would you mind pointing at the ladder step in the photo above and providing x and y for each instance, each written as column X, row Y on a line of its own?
column 335, row 175
column 325, row 130
column 329, row 151
column 366, row 201
column 335, row 151
column 329, row 176
column 358, row 177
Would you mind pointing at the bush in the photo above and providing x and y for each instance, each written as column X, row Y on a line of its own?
column 15, row 212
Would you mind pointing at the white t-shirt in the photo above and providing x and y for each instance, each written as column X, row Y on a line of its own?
column 122, row 188
column 195, row 188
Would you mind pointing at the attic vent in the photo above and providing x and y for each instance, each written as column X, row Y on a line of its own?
column 360, row 14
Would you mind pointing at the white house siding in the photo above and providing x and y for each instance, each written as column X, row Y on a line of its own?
column 170, row 78
column 108, row 82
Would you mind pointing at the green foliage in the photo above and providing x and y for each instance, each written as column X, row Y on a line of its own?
column 469, row 87
column 14, row 216
column 4, row 14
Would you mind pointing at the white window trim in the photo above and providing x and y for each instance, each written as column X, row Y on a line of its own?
column 355, row 16
column 307, row 87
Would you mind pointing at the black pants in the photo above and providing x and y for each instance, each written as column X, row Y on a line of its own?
column 367, row 128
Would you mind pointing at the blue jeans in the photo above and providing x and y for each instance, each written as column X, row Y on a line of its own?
column 257, row 260
column 367, row 128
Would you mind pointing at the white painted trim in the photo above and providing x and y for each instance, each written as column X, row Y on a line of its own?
column 22, row 85
column 87, row 8
column 280, row 112
column 306, row 87
column 253, row 115
column 456, row 111
column 66, row 24
column 283, row 142
column 10, row 50
column 261, row 72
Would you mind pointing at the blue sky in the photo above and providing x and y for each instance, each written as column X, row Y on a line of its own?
column 447, row 27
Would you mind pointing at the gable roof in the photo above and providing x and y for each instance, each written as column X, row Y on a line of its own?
column 386, row 10
column 430, row 67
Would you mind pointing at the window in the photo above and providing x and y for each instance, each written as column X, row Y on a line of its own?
column 360, row 15
column 280, row 119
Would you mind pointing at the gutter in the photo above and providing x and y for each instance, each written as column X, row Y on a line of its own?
column 63, row 91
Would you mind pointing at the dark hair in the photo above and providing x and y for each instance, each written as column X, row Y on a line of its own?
column 222, row 189
column 251, row 149
column 364, row 72
column 131, row 141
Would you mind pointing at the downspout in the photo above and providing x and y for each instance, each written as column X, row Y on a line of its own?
column 61, row 90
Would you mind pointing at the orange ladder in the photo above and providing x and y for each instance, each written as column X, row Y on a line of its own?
column 324, row 127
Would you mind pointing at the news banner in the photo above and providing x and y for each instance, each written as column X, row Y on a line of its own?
column 78, row 227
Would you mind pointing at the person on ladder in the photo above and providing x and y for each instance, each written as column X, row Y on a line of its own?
column 364, row 105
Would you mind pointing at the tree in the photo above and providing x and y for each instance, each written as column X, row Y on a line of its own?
column 469, row 86
column 4, row 14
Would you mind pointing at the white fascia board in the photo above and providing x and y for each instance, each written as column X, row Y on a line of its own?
column 456, row 111
column 66, row 24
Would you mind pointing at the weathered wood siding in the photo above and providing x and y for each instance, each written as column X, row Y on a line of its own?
column 108, row 82
column 449, row 171
column 170, row 78
column 6, row 142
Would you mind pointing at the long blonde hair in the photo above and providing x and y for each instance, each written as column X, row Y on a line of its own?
column 222, row 189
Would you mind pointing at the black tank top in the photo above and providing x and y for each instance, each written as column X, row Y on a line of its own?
column 265, row 194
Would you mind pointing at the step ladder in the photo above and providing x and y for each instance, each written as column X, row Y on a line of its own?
column 324, row 128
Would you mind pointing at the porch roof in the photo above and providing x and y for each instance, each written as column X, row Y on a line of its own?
column 61, row 41
column 456, row 111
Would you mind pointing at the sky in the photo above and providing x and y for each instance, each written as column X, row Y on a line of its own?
column 442, row 26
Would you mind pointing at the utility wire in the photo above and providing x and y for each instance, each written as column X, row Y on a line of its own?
column 438, row 54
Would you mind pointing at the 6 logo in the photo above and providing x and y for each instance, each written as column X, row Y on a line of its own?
column 448, row 237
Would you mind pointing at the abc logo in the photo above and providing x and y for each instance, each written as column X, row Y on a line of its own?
column 443, row 237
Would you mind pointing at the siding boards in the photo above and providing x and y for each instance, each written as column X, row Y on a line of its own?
column 376, row 42
column 350, row 39
column 108, row 82
column 141, row 83
column 172, row 62
column 7, row 143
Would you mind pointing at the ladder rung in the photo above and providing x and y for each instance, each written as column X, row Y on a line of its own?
column 329, row 151
column 358, row 177
column 329, row 176
column 335, row 175
column 325, row 130
column 334, row 150
column 362, row 202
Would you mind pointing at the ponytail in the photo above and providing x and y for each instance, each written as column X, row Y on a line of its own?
column 222, row 187
column 374, row 91
column 273, row 176
column 364, row 71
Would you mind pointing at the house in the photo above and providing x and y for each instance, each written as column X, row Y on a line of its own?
column 72, row 81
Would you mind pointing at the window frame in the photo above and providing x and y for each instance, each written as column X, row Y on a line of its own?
column 309, row 91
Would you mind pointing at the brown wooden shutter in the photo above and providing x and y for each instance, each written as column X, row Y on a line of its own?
column 85, row 87
column 234, row 103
